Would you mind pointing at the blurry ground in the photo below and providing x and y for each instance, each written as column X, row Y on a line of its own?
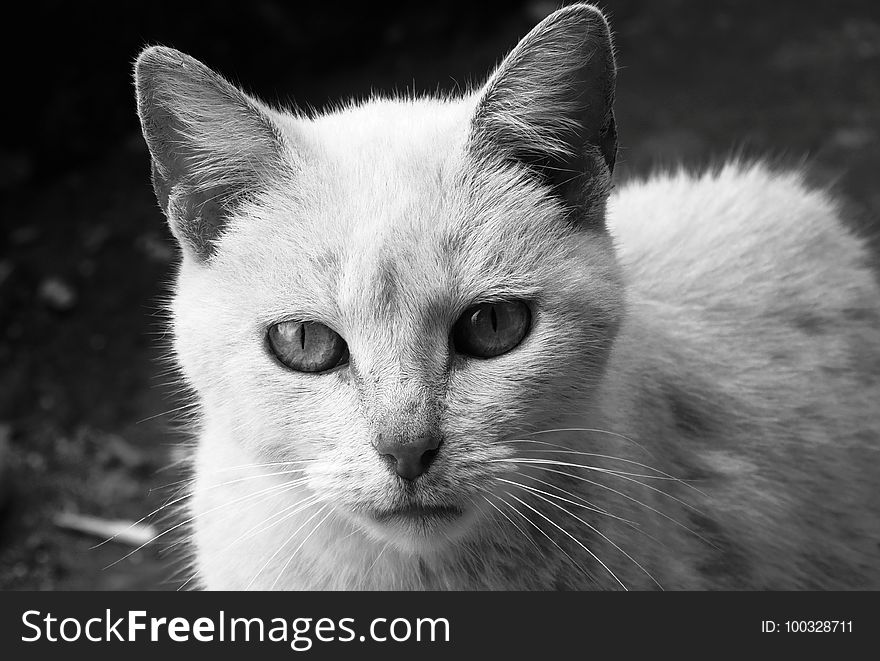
column 85, row 256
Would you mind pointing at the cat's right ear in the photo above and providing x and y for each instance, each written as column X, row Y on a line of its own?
column 211, row 145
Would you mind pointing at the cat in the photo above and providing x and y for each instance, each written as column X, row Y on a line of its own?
column 433, row 349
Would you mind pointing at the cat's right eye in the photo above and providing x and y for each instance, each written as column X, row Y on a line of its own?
column 307, row 346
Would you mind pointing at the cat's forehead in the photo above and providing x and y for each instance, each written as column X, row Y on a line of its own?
column 391, row 216
column 392, row 129
column 394, row 180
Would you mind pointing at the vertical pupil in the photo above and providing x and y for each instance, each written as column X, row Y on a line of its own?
column 302, row 336
column 494, row 317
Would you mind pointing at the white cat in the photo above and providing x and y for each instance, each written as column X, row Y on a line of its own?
column 431, row 351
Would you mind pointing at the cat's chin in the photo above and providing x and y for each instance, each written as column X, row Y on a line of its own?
column 419, row 529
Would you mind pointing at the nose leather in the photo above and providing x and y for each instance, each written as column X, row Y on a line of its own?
column 410, row 457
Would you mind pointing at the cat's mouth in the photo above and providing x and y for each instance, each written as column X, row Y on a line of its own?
column 415, row 512
column 418, row 528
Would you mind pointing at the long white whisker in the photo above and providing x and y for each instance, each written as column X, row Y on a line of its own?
column 623, row 476
column 598, row 469
column 263, row 465
column 592, row 507
column 188, row 405
column 630, row 498
column 297, row 549
column 193, row 518
column 192, row 493
column 267, row 495
column 551, row 540
column 280, row 548
column 572, row 537
column 564, row 450
column 231, row 468
column 375, row 562
column 284, row 513
column 504, row 514
column 514, row 524
column 541, row 494
column 587, row 429
column 585, row 504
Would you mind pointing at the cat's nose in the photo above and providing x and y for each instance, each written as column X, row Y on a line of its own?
column 409, row 456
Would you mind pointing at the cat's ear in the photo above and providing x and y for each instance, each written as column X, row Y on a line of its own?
column 211, row 145
column 549, row 104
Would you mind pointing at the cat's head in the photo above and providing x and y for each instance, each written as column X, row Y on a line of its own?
column 391, row 293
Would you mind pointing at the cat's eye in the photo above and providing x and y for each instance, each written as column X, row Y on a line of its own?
column 491, row 329
column 307, row 346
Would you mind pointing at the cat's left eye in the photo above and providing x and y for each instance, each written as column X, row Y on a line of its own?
column 491, row 329
column 307, row 346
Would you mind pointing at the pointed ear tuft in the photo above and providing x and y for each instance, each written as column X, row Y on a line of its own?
column 549, row 105
column 211, row 144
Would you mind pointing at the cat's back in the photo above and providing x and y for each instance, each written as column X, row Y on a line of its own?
column 738, row 234
column 753, row 333
column 756, row 267
column 749, row 282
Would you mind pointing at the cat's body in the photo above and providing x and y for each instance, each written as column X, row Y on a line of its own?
column 693, row 405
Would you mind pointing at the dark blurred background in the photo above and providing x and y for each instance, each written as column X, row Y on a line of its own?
column 85, row 255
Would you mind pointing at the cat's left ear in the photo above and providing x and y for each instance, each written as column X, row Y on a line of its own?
column 549, row 105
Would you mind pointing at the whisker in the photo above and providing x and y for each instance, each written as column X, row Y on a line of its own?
column 552, row 541
column 285, row 514
column 507, row 536
column 585, row 504
column 565, row 450
column 572, row 537
column 591, row 506
column 280, row 548
column 187, row 581
column 297, row 549
column 630, row 498
column 514, row 524
column 190, row 480
column 539, row 492
column 275, row 487
column 231, row 468
column 622, row 475
column 375, row 562
column 497, row 509
column 188, row 405
column 598, row 469
column 587, row 429
column 263, row 496
column 263, row 465
column 189, row 495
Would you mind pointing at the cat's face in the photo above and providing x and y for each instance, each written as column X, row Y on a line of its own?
column 387, row 224
column 390, row 257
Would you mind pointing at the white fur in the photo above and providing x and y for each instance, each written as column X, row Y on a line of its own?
column 703, row 276
column 723, row 330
